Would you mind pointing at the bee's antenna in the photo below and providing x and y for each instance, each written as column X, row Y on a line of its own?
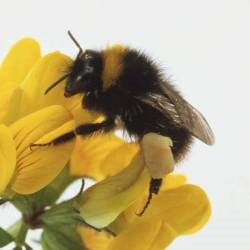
column 75, row 42
column 55, row 84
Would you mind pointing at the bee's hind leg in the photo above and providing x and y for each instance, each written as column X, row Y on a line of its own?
column 57, row 141
column 154, row 188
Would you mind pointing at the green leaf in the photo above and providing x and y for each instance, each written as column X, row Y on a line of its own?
column 60, row 223
column 62, row 214
column 63, row 238
column 5, row 238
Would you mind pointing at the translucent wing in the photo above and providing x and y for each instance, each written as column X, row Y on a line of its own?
column 198, row 125
column 171, row 103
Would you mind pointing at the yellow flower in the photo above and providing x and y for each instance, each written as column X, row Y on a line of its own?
column 24, row 77
column 116, row 201
column 102, row 203
column 178, row 209
column 24, row 170
column 122, row 190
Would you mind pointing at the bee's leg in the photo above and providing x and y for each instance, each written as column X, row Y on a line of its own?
column 64, row 138
column 154, row 188
column 159, row 160
column 59, row 140
column 85, row 129
column 91, row 128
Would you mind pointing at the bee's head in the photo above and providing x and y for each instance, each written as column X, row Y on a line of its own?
column 85, row 74
column 92, row 70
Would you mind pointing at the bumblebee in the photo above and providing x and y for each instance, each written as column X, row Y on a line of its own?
column 125, row 84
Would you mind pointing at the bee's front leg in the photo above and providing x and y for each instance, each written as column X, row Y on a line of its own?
column 83, row 130
column 92, row 128
column 59, row 140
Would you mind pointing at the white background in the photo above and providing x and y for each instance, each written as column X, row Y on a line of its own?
column 204, row 46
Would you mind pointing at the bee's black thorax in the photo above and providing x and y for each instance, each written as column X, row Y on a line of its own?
column 139, row 74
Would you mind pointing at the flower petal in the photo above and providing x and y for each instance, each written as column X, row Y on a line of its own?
column 182, row 210
column 94, row 240
column 102, row 203
column 150, row 235
column 38, row 167
column 89, row 154
column 164, row 237
column 9, row 97
column 19, row 61
column 7, row 157
column 186, row 208
column 129, row 215
column 139, row 236
column 32, row 127
column 118, row 159
column 173, row 181
column 47, row 70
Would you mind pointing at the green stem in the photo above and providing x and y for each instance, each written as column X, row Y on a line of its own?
column 19, row 231
column 14, row 229
column 22, row 232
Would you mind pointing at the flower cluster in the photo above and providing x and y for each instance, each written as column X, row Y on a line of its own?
column 103, row 216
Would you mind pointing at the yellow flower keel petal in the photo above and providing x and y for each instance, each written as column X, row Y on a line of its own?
column 103, row 202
